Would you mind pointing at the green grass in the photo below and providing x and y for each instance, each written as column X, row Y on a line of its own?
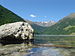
column 6, row 16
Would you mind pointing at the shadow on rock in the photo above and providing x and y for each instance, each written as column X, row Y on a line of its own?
column 12, row 40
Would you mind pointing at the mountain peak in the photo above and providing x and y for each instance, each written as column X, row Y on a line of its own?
column 45, row 24
column 71, row 15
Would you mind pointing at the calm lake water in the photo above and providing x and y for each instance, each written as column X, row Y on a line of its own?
column 52, row 51
column 31, row 49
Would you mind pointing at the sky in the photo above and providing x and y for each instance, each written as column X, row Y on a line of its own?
column 40, row 10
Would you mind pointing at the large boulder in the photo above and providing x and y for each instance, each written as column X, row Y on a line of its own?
column 18, row 30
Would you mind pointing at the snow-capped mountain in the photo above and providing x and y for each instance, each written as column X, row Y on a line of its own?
column 45, row 24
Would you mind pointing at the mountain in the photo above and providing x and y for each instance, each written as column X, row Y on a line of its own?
column 45, row 24
column 7, row 16
column 37, row 28
column 64, row 26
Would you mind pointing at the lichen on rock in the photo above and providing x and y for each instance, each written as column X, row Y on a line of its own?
column 19, row 30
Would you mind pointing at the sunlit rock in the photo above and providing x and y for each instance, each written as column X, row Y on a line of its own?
column 20, row 30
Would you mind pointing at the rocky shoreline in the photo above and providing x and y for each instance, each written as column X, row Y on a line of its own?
column 15, row 39
column 14, row 50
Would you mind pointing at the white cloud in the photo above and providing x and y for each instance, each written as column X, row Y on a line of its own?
column 32, row 15
column 45, row 16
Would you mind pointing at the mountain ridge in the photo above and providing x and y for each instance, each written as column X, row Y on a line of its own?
column 45, row 24
column 59, row 27
column 7, row 16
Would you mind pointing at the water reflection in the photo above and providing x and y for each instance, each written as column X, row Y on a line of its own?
column 16, row 49
column 45, row 51
column 50, row 51
column 28, row 48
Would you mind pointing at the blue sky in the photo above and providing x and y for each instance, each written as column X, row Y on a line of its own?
column 40, row 10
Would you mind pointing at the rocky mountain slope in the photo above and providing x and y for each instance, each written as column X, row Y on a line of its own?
column 64, row 26
column 45, row 24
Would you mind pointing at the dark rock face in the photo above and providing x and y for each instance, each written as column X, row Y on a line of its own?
column 10, row 40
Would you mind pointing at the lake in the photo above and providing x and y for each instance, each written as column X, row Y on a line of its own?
column 53, row 51
column 32, row 48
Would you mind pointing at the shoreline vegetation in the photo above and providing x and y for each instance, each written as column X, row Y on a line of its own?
column 54, row 35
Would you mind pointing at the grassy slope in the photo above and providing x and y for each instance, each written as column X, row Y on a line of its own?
column 6, row 16
column 38, row 29
column 59, row 27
